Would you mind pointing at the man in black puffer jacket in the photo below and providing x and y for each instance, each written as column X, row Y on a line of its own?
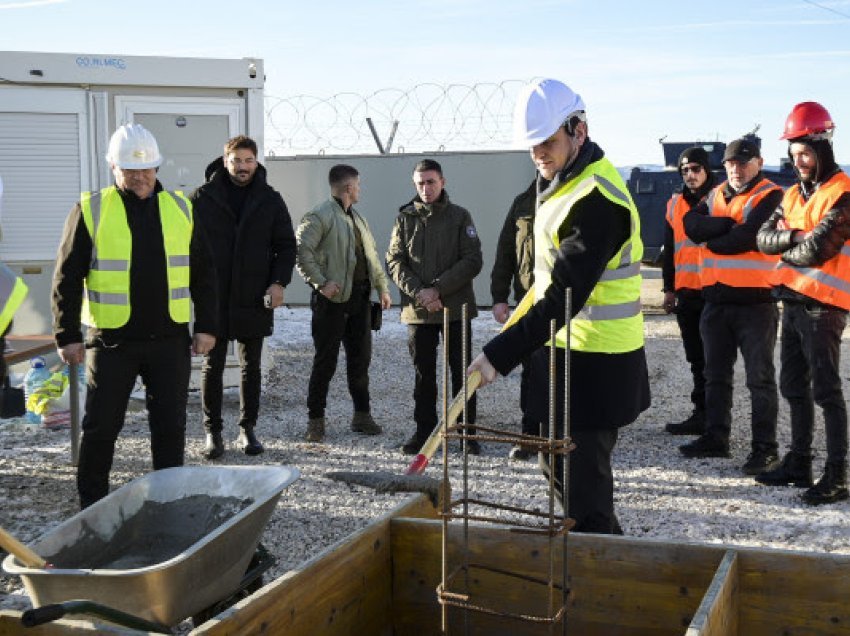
column 250, row 233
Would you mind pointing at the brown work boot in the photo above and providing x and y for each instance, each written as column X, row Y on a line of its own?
column 363, row 423
column 315, row 430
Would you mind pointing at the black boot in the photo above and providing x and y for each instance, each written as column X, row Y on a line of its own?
column 831, row 487
column 705, row 446
column 249, row 443
column 214, row 446
column 795, row 470
column 694, row 425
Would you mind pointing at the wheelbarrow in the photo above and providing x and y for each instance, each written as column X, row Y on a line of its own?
column 167, row 546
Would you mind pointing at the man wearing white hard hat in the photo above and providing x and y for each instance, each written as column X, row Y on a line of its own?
column 586, row 239
column 130, row 266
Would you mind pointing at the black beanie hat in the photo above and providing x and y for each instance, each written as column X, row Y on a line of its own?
column 696, row 154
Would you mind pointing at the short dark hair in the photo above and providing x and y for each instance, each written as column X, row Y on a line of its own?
column 341, row 173
column 428, row 164
column 240, row 141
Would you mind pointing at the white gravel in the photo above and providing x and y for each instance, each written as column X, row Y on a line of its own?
column 659, row 494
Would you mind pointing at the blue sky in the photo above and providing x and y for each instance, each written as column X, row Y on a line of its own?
column 688, row 70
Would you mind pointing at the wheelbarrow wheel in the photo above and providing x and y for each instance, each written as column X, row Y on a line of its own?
column 251, row 582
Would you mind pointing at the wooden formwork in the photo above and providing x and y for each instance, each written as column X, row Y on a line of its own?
column 381, row 581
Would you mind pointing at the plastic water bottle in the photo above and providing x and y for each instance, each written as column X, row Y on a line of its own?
column 34, row 378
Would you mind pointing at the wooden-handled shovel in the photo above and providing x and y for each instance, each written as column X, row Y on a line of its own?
column 22, row 552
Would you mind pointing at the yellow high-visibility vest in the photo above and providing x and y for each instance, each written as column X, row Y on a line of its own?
column 106, row 299
column 12, row 294
column 611, row 320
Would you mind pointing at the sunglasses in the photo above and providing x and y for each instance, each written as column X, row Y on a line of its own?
column 696, row 169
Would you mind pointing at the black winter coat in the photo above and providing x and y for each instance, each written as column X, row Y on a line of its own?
column 251, row 250
column 515, row 249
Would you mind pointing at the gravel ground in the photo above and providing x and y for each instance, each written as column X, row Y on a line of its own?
column 658, row 493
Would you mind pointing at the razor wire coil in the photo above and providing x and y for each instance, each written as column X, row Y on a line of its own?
column 431, row 117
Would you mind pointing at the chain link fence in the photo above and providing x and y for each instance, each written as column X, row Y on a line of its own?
column 424, row 118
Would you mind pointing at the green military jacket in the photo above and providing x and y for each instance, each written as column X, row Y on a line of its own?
column 434, row 245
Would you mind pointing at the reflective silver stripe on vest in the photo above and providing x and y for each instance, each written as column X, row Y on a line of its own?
column 736, row 263
column 181, row 203
column 632, row 269
column 110, row 264
column 609, row 312
column 674, row 201
column 845, row 250
column 94, row 206
column 822, row 277
column 685, row 243
column 750, row 204
column 694, row 269
column 179, row 293
column 178, row 261
column 710, row 201
column 107, row 299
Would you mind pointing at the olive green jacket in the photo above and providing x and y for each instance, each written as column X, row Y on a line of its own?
column 434, row 246
column 326, row 249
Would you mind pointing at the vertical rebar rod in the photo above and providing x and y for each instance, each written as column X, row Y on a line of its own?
column 464, row 354
column 565, row 478
column 446, row 499
column 553, row 358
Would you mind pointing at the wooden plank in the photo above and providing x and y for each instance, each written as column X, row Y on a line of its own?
column 344, row 590
column 794, row 593
column 619, row 585
column 718, row 613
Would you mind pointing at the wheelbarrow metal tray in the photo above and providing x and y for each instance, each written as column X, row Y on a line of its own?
column 205, row 572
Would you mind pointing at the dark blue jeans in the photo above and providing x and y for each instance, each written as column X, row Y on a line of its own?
column 726, row 328
column 810, row 354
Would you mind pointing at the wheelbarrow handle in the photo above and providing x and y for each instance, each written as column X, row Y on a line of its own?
column 48, row 613
column 42, row 615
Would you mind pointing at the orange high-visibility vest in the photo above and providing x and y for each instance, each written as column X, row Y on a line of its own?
column 828, row 283
column 749, row 269
column 687, row 255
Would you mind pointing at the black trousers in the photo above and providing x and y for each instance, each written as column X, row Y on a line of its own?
column 810, row 354
column 688, row 313
column 726, row 328
column 530, row 426
column 422, row 342
column 348, row 323
column 164, row 365
column 250, row 351
column 591, row 480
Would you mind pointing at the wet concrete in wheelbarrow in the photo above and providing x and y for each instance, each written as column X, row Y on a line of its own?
column 157, row 532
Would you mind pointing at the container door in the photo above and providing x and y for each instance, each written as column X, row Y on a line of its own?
column 190, row 133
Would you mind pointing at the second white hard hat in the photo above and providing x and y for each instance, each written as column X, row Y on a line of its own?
column 133, row 147
column 541, row 108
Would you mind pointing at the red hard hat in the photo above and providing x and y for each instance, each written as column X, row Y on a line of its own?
column 806, row 119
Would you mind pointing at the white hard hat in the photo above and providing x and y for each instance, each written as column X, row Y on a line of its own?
column 133, row 147
column 541, row 108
